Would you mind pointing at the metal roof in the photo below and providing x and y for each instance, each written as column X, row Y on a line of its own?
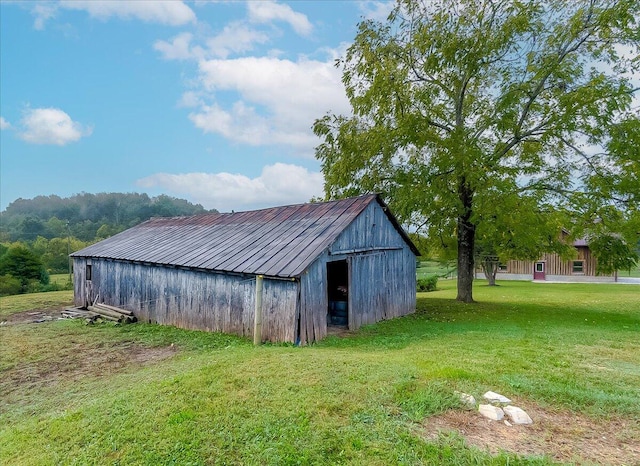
column 277, row 242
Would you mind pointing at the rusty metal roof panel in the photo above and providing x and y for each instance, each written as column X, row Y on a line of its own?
column 278, row 242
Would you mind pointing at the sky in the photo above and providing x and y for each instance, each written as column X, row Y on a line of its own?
column 210, row 101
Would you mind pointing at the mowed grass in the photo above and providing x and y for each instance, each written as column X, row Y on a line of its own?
column 38, row 301
column 443, row 270
column 145, row 394
column 59, row 278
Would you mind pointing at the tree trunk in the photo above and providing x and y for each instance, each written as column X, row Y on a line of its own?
column 466, row 245
column 490, row 268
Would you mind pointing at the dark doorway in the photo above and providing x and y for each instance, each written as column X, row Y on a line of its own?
column 338, row 293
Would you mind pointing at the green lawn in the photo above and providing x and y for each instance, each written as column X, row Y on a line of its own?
column 443, row 270
column 630, row 273
column 24, row 302
column 59, row 278
column 145, row 394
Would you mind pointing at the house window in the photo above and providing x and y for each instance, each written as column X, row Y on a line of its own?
column 87, row 273
column 539, row 266
column 578, row 267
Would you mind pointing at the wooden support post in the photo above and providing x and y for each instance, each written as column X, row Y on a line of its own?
column 257, row 324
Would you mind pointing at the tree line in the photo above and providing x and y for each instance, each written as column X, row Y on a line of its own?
column 37, row 235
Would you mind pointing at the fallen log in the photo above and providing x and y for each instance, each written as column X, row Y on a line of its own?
column 106, row 317
column 114, row 308
column 114, row 316
column 105, row 312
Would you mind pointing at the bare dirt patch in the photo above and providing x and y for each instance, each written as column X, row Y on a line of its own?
column 561, row 435
column 78, row 361
column 33, row 316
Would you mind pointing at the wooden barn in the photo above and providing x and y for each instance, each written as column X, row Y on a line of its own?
column 552, row 267
column 345, row 263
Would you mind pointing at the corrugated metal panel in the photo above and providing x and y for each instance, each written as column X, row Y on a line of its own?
column 277, row 242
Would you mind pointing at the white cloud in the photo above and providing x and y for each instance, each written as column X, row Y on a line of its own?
column 376, row 10
column 4, row 124
column 169, row 12
column 43, row 12
column 279, row 99
column 179, row 48
column 190, row 99
column 268, row 11
column 278, row 184
column 235, row 38
column 51, row 126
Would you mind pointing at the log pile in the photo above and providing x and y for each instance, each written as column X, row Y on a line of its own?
column 112, row 313
column 96, row 312
column 77, row 313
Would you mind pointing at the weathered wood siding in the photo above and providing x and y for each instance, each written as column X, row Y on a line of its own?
column 371, row 229
column 190, row 299
column 314, row 302
column 555, row 265
column 383, row 286
column 382, row 276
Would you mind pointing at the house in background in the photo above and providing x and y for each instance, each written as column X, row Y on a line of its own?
column 552, row 267
column 345, row 262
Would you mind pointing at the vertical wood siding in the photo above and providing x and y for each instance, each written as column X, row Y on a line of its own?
column 382, row 286
column 555, row 265
column 314, row 302
column 190, row 299
column 371, row 229
column 382, row 281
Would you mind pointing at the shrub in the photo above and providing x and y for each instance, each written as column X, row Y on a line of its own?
column 9, row 285
column 24, row 265
column 427, row 284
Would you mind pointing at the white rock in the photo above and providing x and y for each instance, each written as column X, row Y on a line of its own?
column 467, row 399
column 507, row 423
column 517, row 415
column 491, row 412
column 496, row 397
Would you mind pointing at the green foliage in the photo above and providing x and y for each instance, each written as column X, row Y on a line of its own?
column 51, row 227
column 22, row 264
column 86, row 216
column 9, row 285
column 470, row 116
column 612, row 253
column 429, row 283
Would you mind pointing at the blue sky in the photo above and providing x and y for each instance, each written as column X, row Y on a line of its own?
column 208, row 101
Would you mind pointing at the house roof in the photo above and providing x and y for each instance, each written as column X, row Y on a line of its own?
column 277, row 242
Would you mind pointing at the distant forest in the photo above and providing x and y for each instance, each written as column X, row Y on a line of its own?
column 85, row 216
column 37, row 235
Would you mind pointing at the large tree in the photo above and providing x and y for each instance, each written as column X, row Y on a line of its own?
column 461, row 108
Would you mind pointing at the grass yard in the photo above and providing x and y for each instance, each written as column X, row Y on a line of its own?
column 635, row 272
column 59, row 278
column 10, row 305
column 569, row 354
column 427, row 268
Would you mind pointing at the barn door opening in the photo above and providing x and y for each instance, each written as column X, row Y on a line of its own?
column 338, row 293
